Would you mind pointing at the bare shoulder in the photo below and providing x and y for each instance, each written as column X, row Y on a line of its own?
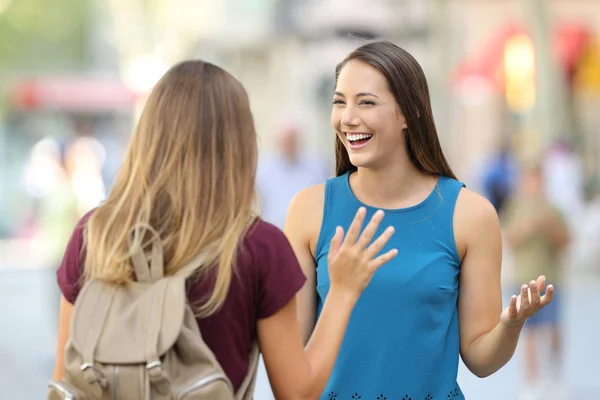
column 474, row 216
column 473, row 208
column 307, row 205
column 309, row 197
column 305, row 214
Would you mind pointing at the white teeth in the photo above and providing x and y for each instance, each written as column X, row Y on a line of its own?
column 357, row 136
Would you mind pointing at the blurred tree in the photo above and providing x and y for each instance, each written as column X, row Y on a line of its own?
column 41, row 35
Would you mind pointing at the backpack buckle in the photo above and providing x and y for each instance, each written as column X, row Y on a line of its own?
column 92, row 375
column 154, row 364
column 156, row 372
column 157, row 376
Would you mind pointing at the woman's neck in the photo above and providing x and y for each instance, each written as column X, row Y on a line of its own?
column 398, row 186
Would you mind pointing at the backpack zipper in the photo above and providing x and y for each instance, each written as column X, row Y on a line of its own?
column 202, row 382
column 56, row 385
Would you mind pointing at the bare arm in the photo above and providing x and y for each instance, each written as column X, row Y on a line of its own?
column 302, row 230
column 488, row 335
column 66, row 310
column 486, row 344
column 296, row 372
column 294, row 326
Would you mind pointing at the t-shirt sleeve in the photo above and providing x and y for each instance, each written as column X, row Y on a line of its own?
column 280, row 276
column 70, row 270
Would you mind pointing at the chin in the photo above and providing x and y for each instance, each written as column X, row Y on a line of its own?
column 361, row 160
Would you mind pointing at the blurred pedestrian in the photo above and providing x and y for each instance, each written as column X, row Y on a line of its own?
column 499, row 177
column 537, row 234
column 281, row 175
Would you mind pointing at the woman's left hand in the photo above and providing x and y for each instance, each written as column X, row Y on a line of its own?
column 527, row 303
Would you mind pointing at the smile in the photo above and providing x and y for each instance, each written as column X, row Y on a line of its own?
column 356, row 140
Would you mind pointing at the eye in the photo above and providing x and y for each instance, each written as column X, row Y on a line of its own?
column 367, row 103
column 337, row 101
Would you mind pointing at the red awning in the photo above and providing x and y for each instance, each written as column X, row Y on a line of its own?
column 487, row 64
column 76, row 94
column 570, row 40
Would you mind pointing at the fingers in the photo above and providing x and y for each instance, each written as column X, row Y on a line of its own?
column 547, row 298
column 380, row 242
column 513, row 312
column 528, row 302
column 541, row 283
column 358, row 246
column 535, row 295
column 370, row 230
column 382, row 259
column 336, row 241
column 524, row 298
column 355, row 227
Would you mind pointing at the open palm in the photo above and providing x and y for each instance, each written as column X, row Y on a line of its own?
column 527, row 303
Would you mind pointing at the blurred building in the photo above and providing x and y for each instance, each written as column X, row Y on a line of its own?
column 522, row 72
column 476, row 54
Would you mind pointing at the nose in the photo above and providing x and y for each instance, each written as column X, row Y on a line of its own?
column 349, row 117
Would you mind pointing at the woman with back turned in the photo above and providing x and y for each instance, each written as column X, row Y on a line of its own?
column 189, row 173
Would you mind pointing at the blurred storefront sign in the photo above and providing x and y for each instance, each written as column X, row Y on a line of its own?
column 73, row 94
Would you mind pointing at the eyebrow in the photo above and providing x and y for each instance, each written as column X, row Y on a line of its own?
column 361, row 94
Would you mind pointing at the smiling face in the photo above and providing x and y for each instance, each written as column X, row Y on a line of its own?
column 366, row 117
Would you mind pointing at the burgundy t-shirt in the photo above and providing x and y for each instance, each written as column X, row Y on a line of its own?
column 267, row 277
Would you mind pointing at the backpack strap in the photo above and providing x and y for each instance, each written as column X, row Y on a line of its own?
column 156, row 372
column 143, row 272
column 246, row 389
column 91, row 374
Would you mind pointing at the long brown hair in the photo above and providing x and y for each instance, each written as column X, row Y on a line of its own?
column 189, row 173
column 406, row 80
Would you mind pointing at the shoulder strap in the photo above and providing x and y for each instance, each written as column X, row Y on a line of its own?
column 143, row 272
column 334, row 192
column 246, row 389
column 450, row 188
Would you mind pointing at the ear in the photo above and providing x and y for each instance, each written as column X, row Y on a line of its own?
column 401, row 117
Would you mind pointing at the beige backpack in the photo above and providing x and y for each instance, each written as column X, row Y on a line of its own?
column 141, row 341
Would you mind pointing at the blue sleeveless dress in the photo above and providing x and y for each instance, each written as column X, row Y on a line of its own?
column 402, row 341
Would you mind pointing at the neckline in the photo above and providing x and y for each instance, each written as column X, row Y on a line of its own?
column 430, row 197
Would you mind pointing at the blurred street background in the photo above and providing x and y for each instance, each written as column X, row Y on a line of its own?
column 513, row 82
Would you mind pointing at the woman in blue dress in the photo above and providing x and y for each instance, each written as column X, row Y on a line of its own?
column 441, row 295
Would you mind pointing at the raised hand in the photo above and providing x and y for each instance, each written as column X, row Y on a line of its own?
column 527, row 303
column 351, row 259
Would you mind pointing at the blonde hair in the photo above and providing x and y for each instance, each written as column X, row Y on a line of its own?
column 189, row 172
